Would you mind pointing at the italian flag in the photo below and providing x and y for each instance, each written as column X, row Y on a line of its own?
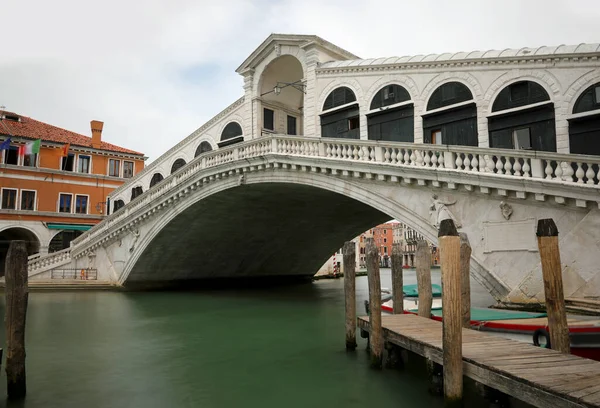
column 30, row 148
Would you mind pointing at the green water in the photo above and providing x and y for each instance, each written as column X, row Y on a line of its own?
column 274, row 347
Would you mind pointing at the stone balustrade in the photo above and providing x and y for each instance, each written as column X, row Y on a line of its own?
column 578, row 170
column 50, row 261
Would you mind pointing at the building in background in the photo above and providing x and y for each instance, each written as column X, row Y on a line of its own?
column 54, row 183
column 384, row 236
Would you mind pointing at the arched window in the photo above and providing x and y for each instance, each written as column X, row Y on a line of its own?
column 179, row 163
column 136, row 192
column 584, row 129
column 118, row 204
column 454, row 117
column 232, row 133
column 342, row 122
column 203, row 148
column 156, row 178
column 523, row 118
column 394, row 123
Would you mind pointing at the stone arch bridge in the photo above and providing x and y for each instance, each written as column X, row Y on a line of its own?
column 280, row 205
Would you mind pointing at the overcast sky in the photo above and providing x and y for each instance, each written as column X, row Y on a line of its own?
column 156, row 70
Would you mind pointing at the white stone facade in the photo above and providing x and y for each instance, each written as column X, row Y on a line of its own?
column 564, row 72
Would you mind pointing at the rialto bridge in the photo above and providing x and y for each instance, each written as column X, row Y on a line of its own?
column 323, row 145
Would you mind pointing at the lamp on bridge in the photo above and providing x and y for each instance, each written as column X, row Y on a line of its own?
column 300, row 85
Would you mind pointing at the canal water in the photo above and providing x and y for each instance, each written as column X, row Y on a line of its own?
column 270, row 347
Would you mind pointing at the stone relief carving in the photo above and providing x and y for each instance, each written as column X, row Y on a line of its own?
column 242, row 180
column 136, row 235
column 91, row 257
column 439, row 211
column 506, row 210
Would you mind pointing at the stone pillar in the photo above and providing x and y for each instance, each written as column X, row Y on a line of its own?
column 310, row 124
column 249, row 119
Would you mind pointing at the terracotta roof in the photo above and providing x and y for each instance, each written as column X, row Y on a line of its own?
column 34, row 129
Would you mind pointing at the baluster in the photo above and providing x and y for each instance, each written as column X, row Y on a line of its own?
column 371, row 154
column 467, row 162
column 579, row 173
column 517, row 167
column 434, row 160
column 475, row 164
column 386, row 155
column 441, row 160
column 394, row 155
column 526, row 168
column 407, row 157
column 458, row 161
column 558, row 173
column 419, row 155
column 590, row 174
column 355, row 153
column 426, row 158
column 499, row 165
column 507, row 166
column 548, row 170
column 489, row 164
column 568, row 172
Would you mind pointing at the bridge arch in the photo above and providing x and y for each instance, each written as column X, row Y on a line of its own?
column 17, row 233
column 351, row 206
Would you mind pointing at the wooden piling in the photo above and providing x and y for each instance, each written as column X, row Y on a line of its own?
column 376, row 334
column 465, row 275
column 547, row 236
column 349, row 252
column 449, row 244
column 397, row 279
column 16, row 311
column 423, row 266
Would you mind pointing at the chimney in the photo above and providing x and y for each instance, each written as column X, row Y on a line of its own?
column 96, row 133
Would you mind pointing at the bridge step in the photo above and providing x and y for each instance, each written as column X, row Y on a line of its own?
column 67, row 284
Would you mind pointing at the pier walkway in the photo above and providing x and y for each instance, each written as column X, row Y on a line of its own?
column 538, row 376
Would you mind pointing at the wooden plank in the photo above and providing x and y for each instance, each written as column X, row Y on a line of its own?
column 535, row 375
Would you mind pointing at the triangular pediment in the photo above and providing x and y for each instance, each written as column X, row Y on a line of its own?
column 273, row 40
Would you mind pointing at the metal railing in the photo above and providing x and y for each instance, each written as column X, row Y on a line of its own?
column 75, row 274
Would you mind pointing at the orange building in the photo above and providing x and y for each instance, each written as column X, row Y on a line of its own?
column 48, row 198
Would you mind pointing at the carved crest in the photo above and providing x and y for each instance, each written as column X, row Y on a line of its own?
column 506, row 210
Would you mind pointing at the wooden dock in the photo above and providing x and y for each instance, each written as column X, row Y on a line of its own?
column 535, row 375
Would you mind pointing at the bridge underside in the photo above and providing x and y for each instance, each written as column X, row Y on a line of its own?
column 258, row 230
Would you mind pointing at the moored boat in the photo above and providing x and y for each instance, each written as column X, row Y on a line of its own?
column 529, row 327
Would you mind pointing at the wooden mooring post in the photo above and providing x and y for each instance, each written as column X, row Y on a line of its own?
column 16, row 293
column 465, row 275
column 376, row 332
column 349, row 255
column 423, row 266
column 547, row 237
column 397, row 279
column 449, row 244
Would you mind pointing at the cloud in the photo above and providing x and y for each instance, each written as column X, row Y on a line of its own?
column 156, row 72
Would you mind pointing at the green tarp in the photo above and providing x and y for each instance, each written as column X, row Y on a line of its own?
column 486, row 315
column 69, row 227
column 413, row 291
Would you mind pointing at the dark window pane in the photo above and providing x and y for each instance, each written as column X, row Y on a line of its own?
column 81, row 203
column 118, row 204
column 291, row 125
column 84, row 164
column 233, row 129
column 64, row 204
column 156, row 178
column 127, row 169
column 268, row 119
column 114, row 168
column 588, row 100
column 353, row 123
column 389, row 95
column 449, row 94
column 339, row 96
column 27, row 200
column 203, row 148
column 9, row 199
column 30, row 160
column 136, row 192
column 519, row 94
column 68, row 162
column 11, row 156
column 179, row 163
